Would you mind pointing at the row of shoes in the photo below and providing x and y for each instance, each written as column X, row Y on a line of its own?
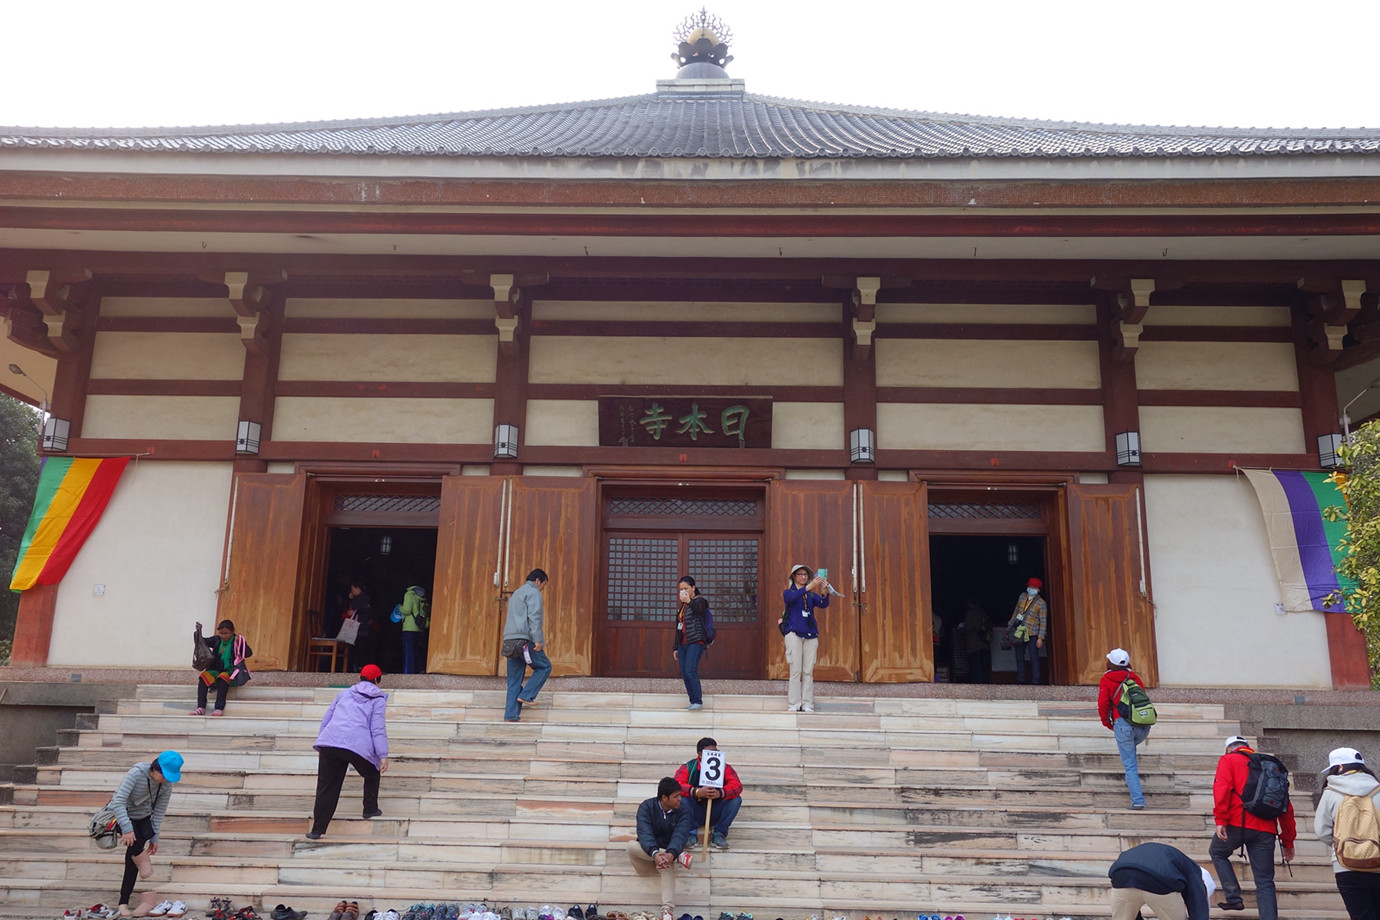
column 222, row 910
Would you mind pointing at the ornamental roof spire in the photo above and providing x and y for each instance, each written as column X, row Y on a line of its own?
column 702, row 46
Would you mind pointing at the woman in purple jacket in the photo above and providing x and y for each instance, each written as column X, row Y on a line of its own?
column 352, row 735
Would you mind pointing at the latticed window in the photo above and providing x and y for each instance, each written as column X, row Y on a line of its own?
column 416, row 504
column 683, row 507
column 643, row 572
column 1023, row 511
column 642, row 578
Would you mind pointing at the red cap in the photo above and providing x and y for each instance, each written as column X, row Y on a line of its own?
column 371, row 672
column 1034, row 583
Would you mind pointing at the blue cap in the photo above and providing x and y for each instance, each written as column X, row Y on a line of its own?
column 170, row 765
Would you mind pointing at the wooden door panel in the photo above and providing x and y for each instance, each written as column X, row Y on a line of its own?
column 1109, row 581
column 811, row 523
column 636, row 633
column 555, row 526
column 260, row 594
column 466, row 612
column 895, row 608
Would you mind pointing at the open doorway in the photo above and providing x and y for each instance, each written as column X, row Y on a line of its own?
column 975, row 582
column 386, row 561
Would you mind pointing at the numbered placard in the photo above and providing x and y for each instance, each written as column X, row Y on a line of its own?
column 712, row 768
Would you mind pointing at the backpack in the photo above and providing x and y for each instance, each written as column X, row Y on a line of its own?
column 710, row 633
column 1356, row 834
column 1266, row 793
column 104, row 828
column 1134, row 704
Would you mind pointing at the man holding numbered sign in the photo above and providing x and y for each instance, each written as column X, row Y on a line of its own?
column 713, row 788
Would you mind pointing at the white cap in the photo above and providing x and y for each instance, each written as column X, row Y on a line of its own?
column 1208, row 883
column 1233, row 741
column 1342, row 756
column 1119, row 657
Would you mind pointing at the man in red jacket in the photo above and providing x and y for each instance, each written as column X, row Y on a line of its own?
column 1127, row 735
column 1237, row 827
column 726, row 801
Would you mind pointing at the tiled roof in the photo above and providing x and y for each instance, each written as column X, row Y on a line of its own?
column 716, row 125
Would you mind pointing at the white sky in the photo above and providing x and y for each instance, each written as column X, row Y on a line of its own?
column 1260, row 63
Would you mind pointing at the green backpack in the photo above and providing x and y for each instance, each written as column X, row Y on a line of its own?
column 1134, row 704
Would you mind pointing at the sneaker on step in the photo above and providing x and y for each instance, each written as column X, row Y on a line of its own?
column 807, row 707
column 794, row 707
column 692, row 706
column 179, row 908
column 684, row 859
column 666, row 914
column 160, row 909
column 718, row 841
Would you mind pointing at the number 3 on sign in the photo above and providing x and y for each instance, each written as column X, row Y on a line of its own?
column 712, row 768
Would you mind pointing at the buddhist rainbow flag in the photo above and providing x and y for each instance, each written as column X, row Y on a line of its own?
column 1304, row 544
column 72, row 495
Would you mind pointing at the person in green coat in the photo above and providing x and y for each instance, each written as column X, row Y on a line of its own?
column 414, row 622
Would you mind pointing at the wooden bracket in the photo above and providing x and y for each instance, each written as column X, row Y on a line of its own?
column 24, row 326
column 58, row 296
column 508, row 302
column 1332, row 307
column 863, row 304
column 1131, row 302
column 250, row 296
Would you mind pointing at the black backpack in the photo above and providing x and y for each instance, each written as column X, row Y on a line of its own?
column 1266, row 793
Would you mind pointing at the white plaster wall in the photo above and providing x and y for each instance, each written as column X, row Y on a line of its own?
column 1044, row 314
column 1216, row 366
column 157, row 550
column 538, row 470
column 987, row 363
column 398, row 421
column 815, row 474
column 562, row 423
column 166, row 306
column 343, row 308
column 167, row 356
column 686, row 311
column 685, row 361
column 426, row 358
column 1217, row 316
column 1215, row 591
column 175, row 417
column 902, row 426
column 1177, row 429
column 807, row 426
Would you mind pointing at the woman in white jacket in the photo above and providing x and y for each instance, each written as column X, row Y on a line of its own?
column 1347, row 774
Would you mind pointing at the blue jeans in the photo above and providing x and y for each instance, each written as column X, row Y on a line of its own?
column 412, row 649
column 1127, row 737
column 517, row 668
column 1260, row 849
column 725, row 810
column 688, row 656
column 1022, row 649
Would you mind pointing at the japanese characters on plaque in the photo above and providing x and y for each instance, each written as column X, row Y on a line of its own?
column 684, row 421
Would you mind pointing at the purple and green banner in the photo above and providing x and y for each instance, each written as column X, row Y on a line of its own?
column 1304, row 544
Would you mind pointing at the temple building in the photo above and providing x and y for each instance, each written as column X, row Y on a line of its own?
column 695, row 331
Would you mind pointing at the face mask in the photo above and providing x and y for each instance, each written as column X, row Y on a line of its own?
column 1032, row 591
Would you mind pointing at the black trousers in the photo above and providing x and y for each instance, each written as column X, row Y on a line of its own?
column 1360, row 893
column 331, row 766
column 1260, row 850
column 222, row 688
column 143, row 833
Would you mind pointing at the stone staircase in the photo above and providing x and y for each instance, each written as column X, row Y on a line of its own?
column 868, row 807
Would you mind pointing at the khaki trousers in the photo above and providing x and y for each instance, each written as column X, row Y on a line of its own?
column 645, row 866
column 1126, row 904
column 800, row 655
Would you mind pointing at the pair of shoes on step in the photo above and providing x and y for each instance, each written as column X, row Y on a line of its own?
column 283, row 912
column 169, row 909
column 346, row 910
column 201, row 711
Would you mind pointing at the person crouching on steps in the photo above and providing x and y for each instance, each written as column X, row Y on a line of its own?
column 1128, row 736
column 665, row 833
column 353, row 734
column 140, row 803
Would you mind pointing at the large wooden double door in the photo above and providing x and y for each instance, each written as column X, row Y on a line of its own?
column 649, row 543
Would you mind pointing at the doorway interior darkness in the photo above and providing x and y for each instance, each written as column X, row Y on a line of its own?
column 991, row 570
column 388, row 560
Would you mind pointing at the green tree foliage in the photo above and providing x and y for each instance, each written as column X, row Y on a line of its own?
column 1360, row 484
column 18, row 480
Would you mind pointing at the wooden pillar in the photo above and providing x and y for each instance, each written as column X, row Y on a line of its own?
column 860, row 369
column 259, row 382
column 1346, row 645
column 33, row 629
column 510, row 376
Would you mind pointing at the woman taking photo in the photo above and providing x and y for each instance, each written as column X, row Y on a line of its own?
column 692, row 636
column 804, row 592
column 1347, row 774
column 228, row 670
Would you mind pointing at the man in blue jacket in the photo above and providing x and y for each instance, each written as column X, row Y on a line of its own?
column 1163, row 877
column 665, row 831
